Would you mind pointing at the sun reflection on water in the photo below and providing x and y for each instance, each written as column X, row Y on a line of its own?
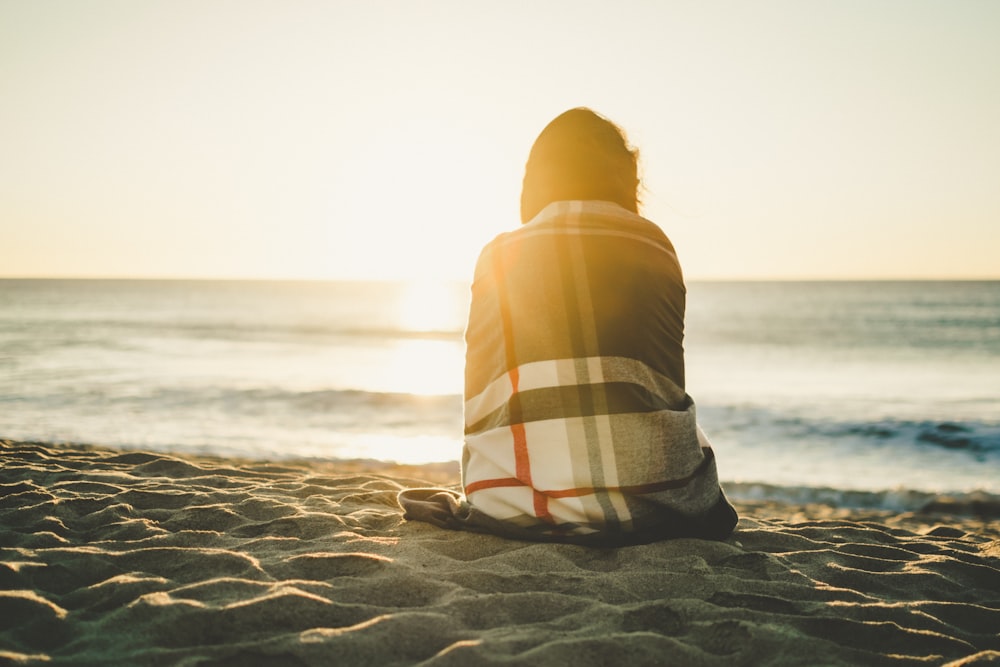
column 427, row 367
column 430, row 306
column 431, row 365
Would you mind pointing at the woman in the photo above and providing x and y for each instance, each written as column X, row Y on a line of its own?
column 578, row 427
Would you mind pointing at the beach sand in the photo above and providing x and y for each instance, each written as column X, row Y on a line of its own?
column 114, row 557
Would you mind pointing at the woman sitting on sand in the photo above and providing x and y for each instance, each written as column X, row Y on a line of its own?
column 578, row 427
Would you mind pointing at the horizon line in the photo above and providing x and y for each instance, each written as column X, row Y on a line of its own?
column 438, row 279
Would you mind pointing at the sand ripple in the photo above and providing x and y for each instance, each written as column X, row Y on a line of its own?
column 138, row 558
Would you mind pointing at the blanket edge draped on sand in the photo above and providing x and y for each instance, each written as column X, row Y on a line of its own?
column 447, row 508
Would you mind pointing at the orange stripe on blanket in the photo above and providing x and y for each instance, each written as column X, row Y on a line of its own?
column 635, row 490
column 493, row 484
column 522, row 461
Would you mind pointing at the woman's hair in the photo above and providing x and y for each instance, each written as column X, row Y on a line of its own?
column 580, row 155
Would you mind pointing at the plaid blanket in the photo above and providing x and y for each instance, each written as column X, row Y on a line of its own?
column 577, row 422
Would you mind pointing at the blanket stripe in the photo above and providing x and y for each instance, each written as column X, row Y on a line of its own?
column 658, row 390
column 639, row 489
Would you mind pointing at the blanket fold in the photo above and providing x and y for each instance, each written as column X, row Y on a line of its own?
column 447, row 508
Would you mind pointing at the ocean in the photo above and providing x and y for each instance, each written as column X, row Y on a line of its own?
column 880, row 394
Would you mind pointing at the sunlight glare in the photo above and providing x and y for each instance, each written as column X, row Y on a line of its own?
column 427, row 367
column 429, row 306
column 408, row 450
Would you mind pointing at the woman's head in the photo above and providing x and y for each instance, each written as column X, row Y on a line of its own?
column 580, row 155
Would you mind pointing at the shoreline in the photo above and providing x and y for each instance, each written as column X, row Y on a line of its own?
column 127, row 556
column 979, row 506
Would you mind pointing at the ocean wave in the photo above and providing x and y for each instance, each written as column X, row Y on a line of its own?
column 119, row 333
column 980, row 504
column 974, row 436
column 970, row 436
column 745, row 424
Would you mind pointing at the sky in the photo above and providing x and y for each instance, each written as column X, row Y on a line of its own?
column 378, row 139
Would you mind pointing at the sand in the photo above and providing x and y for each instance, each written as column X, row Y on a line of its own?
column 111, row 557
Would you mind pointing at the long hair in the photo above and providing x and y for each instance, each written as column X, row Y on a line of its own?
column 580, row 155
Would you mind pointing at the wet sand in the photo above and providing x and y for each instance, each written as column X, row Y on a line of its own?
column 125, row 557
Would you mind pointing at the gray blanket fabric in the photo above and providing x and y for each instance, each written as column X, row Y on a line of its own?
column 577, row 424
